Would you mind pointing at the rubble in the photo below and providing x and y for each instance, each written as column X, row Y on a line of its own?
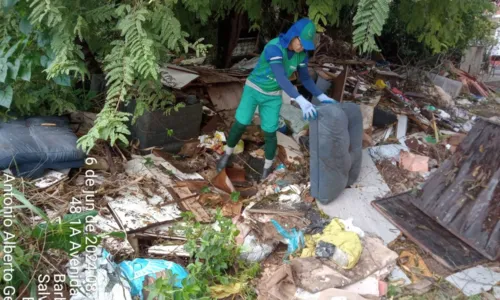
column 476, row 280
column 411, row 131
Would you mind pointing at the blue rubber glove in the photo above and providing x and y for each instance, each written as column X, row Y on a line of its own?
column 308, row 110
column 325, row 99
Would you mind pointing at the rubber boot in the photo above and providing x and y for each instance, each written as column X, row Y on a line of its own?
column 223, row 162
column 265, row 173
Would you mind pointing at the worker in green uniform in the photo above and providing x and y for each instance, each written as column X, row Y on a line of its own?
column 281, row 57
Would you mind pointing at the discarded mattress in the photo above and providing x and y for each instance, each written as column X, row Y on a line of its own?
column 335, row 145
column 32, row 145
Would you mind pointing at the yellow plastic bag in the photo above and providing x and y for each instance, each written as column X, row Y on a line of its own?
column 224, row 291
column 239, row 148
column 334, row 233
column 380, row 84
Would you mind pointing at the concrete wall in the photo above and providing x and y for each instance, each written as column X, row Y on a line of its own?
column 472, row 60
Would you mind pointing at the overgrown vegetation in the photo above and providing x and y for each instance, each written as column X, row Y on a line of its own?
column 28, row 246
column 47, row 46
column 215, row 270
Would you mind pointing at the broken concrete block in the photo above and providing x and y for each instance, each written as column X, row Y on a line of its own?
column 414, row 162
column 398, row 275
column 475, row 280
column 369, row 286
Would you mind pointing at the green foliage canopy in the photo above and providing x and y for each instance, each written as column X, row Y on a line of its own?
column 42, row 43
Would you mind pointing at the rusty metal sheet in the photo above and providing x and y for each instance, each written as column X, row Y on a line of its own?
column 463, row 195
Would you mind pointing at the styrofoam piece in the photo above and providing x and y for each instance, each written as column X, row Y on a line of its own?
column 390, row 152
column 402, row 126
column 294, row 117
column 135, row 210
column 450, row 86
column 180, row 175
column 355, row 202
column 475, row 280
column 50, row 178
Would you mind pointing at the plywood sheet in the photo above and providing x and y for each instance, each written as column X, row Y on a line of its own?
column 463, row 195
column 225, row 96
column 427, row 233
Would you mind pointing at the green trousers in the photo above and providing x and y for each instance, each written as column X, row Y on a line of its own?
column 269, row 111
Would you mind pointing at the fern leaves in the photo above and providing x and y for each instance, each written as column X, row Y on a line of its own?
column 369, row 21
column 139, row 44
column 49, row 11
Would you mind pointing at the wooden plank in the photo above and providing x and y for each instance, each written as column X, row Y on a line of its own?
column 211, row 76
column 339, row 84
column 463, row 195
column 427, row 233
column 225, row 96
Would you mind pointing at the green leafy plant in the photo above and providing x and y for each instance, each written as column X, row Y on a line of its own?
column 32, row 243
column 57, row 41
column 148, row 162
column 235, row 196
column 214, row 262
column 369, row 21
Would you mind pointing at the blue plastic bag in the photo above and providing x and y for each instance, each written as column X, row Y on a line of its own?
column 294, row 239
column 136, row 271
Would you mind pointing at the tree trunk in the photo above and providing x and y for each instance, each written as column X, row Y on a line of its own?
column 227, row 39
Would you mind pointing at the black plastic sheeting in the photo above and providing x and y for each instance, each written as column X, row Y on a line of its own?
column 335, row 146
column 30, row 146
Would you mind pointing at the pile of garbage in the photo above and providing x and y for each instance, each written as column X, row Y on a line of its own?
column 412, row 120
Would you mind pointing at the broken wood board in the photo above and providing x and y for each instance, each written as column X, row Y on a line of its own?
column 339, row 84
column 198, row 211
column 463, row 195
column 293, row 154
column 178, row 174
column 355, row 202
column 177, row 77
column 443, row 246
column 175, row 250
column 367, row 108
column 211, row 76
column 222, row 181
column 225, row 96
column 189, row 202
column 148, row 166
column 105, row 224
column 136, row 212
